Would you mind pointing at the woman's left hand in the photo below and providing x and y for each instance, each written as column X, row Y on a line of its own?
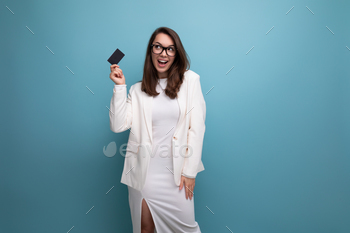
column 188, row 184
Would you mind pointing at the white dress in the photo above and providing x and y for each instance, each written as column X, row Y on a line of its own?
column 171, row 211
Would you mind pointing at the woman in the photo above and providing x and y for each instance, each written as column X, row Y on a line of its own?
column 165, row 114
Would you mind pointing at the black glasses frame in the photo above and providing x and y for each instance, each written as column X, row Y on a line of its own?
column 166, row 50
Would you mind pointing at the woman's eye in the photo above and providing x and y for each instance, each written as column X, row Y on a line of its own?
column 171, row 49
column 157, row 46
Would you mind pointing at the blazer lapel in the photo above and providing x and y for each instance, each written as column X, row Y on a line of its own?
column 181, row 99
column 147, row 109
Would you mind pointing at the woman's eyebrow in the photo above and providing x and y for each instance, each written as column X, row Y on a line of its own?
column 162, row 45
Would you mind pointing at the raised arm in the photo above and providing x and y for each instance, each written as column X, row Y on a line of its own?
column 120, row 114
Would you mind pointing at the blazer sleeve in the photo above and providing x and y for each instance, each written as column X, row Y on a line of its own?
column 120, row 114
column 196, row 131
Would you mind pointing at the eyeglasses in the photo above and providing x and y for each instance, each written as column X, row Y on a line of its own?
column 158, row 49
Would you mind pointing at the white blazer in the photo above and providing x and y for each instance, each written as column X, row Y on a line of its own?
column 134, row 112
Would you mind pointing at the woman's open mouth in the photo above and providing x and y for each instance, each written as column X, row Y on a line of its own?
column 162, row 63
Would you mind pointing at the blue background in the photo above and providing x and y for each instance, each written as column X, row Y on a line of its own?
column 276, row 148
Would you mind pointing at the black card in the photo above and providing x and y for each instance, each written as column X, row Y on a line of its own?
column 116, row 57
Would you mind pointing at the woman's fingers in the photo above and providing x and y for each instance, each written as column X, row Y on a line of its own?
column 114, row 66
column 189, row 192
column 189, row 187
column 116, row 75
column 118, row 72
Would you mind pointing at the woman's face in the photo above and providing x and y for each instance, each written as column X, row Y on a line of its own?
column 159, row 59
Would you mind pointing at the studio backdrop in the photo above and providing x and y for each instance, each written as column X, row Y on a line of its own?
column 275, row 78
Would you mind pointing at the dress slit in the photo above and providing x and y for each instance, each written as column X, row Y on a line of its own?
column 152, row 214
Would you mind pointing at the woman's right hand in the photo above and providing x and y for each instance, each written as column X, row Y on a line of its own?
column 117, row 75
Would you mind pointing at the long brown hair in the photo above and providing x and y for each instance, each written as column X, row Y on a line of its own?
column 176, row 71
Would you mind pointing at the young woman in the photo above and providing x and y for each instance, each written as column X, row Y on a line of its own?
column 165, row 114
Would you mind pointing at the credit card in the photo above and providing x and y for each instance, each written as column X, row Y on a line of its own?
column 116, row 57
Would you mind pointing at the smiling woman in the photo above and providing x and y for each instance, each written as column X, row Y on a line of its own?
column 157, row 49
column 165, row 58
column 166, row 110
column 162, row 61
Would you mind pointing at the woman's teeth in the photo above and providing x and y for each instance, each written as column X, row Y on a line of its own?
column 162, row 62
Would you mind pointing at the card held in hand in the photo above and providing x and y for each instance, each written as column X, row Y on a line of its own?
column 116, row 57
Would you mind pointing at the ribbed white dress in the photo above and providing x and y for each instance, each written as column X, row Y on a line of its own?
column 171, row 211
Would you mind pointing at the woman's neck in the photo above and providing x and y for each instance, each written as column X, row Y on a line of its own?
column 163, row 75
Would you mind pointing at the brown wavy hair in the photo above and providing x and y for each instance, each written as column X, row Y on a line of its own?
column 176, row 71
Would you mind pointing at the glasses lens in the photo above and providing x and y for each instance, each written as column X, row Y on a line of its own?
column 157, row 49
column 171, row 51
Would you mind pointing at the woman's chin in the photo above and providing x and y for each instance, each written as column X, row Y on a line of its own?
column 162, row 72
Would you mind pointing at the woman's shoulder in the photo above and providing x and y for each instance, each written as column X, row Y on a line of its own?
column 136, row 87
column 190, row 76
